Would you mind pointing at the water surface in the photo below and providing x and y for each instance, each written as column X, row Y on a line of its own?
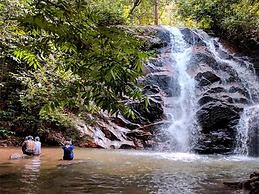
column 121, row 171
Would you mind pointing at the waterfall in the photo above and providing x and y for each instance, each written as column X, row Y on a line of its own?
column 248, row 132
column 243, row 132
column 244, row 69
column 183, row 105
column 233, row 72
column 247, row 137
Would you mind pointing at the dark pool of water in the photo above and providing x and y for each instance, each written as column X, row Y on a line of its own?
column 121, row 171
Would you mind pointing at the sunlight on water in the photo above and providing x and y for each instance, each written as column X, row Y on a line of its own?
column 174, row 156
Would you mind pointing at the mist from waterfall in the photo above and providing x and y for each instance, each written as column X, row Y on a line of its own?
column 248, row 132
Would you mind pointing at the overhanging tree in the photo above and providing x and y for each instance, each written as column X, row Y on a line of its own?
column 89, row 42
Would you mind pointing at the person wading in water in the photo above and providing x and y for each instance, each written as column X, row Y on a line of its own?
column 37, row 150
column 28, row 146
column 24, row 146
column 68, row 151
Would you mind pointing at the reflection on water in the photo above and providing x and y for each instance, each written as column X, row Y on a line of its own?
column 121, row 171
column 30, row 175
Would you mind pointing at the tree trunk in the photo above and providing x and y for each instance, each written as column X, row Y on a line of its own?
column 156, row 12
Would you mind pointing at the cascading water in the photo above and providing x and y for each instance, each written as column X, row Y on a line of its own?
column 248, row 132
column 247, row 138
column 244, row 69
column 183, row 133
column 184, row 105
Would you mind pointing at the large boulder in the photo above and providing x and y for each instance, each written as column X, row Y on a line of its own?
column 249, row 185
column 16, row 156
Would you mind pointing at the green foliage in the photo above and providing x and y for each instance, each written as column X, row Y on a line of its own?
column 5, row 118
column 5, row 115
column 89, row 43
column 5, row 133
column 245, row 20
column 207, row 13
column 28, row 57
column 238, row 20
column 21, row 102
column 41, row 89
column 144, row 13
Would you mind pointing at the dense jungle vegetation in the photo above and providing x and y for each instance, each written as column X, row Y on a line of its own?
column 72, row 57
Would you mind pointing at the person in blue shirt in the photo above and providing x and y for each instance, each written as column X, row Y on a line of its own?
column 68, row 151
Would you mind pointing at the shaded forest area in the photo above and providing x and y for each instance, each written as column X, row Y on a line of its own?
column 63, row 58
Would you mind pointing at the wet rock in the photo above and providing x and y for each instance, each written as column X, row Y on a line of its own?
column 16, row 156
column 191, row 37
column 146, row 115
column 251, row 185
column 105, row 134
column 222, row 98
column 165, row 82
column 206, row 78
column 55, row 138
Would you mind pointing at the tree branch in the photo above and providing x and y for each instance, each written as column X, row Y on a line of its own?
column 135, row 4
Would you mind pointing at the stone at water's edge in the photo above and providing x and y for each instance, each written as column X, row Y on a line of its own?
column 251, row 184
column 16, row 156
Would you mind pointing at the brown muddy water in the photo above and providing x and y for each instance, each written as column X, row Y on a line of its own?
column 99, row 171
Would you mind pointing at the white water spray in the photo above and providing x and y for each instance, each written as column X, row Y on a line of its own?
column 242, row 135
column 183, row 107
column 247, row 134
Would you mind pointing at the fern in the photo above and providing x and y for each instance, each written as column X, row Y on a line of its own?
column 27, row 56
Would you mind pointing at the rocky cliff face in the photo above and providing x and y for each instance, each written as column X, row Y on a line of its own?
column 220, row 90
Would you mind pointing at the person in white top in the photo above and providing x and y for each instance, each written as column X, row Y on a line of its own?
column 37, row 150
